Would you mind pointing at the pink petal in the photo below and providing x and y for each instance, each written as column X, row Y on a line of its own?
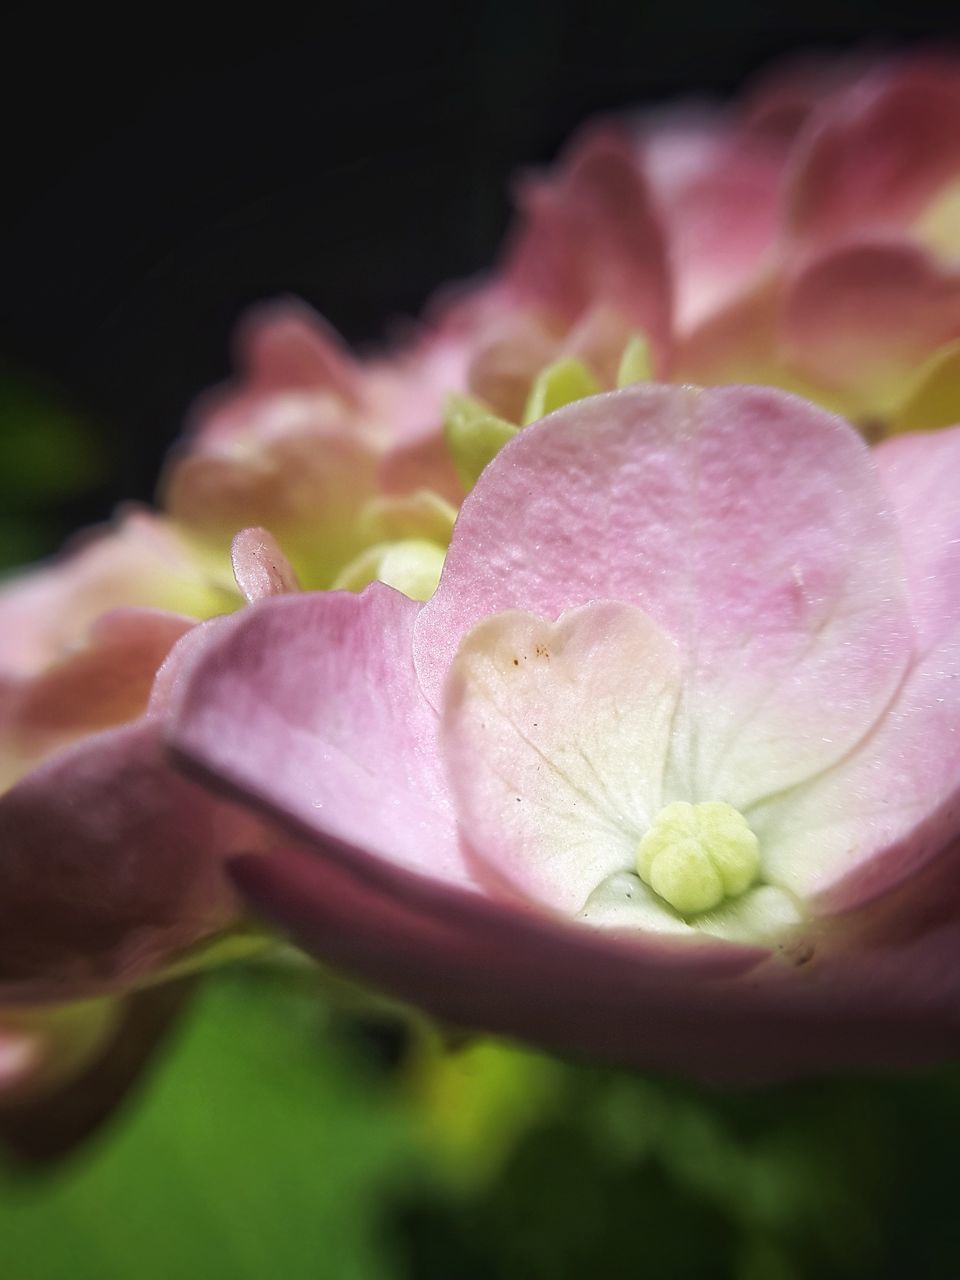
column 259, row 566
column 864, row 318
column 879, row 153
column 109, row 869
column 509, row 345
column 718, row 191
column 302, row 480
column 105, row 682
column 746, row 523
column 140, row 563
column 309, row 707
column 784, row 98
column 740, row 343
column 904, row 779
column 716, row 1011
column 590, row 235
column 425, row 465
column 919, row 472
column 406, row 389
column 280, row 347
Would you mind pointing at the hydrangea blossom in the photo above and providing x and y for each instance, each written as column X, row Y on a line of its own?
column 676, row 730
column 806, row 239
column 95, row 910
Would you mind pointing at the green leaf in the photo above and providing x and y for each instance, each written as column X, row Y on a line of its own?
column 46, row 451
column 266, row 1146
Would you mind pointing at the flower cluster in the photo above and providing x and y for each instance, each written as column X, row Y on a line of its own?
column 572, row 688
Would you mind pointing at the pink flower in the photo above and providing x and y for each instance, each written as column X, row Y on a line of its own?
column 96, row 908
column 666, row 769
column 322, row 446
column 807, row 241
column 101, row 895
column 338, row 457
column 81, row 639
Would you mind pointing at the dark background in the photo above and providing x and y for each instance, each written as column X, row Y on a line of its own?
column 163, row 171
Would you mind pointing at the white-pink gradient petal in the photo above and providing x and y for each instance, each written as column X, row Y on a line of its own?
column 556, row 739
column 749, row 525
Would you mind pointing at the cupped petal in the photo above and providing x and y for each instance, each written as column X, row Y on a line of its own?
column 746, row 523
column 782, row 99
column 590, row 235
column 110, row 869
column 509, row 347
column 898, row 794
column 863, row 318
column 421, row 464
column 741, row 344
column 142, row 562
column 106, row 681
column 556, row 739
column 303, row 483
column 717, row 1011
column 718, row 189
column 287, row 344
column 879, row 152
column 309, row 707
column 282, row 348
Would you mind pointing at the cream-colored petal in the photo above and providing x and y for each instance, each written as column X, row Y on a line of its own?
column 556, row 738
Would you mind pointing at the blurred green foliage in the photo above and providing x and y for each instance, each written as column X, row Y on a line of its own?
column 264, row 1148
column 50, row 458
column 283, row 1136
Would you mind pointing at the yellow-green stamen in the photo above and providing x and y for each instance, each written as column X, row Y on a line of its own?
column 696, row 855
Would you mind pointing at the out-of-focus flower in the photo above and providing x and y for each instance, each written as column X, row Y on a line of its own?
column 808, row 240
column 666, row 769
column 82, row 641
column 335, row 454
column 342, row 460
column 111, row 874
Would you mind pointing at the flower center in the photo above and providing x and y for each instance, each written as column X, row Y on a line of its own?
column 696, row 855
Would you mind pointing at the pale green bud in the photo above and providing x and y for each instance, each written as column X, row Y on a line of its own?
column 696, row 855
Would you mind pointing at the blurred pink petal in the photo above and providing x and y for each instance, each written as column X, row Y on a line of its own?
column 110, row 869
column 590, row 235
column 105, row 681
column 878, row 152
column 863, row 318
column 142, row 562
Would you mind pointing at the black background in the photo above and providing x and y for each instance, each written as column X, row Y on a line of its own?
column 164, row 169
